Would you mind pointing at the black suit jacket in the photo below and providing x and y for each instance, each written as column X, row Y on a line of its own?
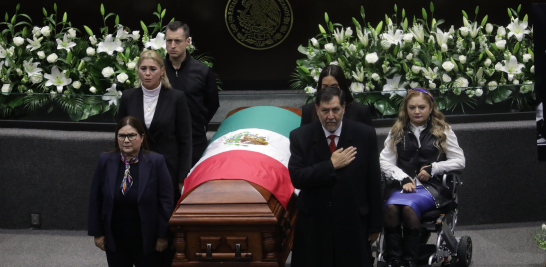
column 337, row 208
column 170, row 132
column 155, row 198
column 355, row 111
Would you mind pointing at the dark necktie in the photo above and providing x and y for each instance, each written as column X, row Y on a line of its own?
column 332, row 143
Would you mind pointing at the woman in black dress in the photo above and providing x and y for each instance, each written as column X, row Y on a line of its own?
column 333, row 76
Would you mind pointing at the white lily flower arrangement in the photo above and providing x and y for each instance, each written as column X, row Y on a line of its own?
column 39, row 62
column 487, row 62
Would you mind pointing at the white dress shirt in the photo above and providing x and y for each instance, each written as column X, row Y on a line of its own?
column 455, row 157
column 337, row 133
column 150, row 103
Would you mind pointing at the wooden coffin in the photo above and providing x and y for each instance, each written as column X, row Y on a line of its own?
column 232, row 223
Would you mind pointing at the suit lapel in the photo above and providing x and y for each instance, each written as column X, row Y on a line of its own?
column 144, row 170
column 346, row 136
column 113, row 167
column 320, row 145
column 162, row 105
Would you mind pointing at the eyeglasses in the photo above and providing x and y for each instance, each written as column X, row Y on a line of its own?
column 176, row 41
column 121, row 137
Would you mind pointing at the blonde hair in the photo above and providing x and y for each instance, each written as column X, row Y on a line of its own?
column 156, row 57
column 437, row 119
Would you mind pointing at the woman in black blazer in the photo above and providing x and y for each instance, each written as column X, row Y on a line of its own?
column 165, row 115
column 131, row 199
column 333, row 76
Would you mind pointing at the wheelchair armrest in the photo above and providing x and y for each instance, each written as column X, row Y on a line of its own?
column 456, row 179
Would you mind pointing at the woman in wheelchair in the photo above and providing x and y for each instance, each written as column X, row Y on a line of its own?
column 420, row 146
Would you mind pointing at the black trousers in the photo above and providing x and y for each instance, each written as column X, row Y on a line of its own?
column 116, row 259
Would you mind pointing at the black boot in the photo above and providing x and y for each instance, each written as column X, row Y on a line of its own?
column 411, row 247
column 393, row 245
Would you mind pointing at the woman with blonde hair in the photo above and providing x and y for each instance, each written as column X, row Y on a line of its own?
column 167, row 120
column 420, row 147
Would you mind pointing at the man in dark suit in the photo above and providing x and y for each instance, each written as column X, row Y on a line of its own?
column 195, row 79
column 339, row 205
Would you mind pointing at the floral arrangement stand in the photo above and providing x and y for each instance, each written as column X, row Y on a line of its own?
column 55, row 65
column 474, row 64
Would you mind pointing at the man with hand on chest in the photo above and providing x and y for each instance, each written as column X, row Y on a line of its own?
column 335, row 164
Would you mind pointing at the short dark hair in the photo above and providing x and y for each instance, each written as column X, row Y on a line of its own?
column 135, row 123
column 326, row 94
column 336, row 72
column 175, row 25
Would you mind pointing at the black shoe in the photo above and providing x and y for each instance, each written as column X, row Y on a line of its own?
column 393, row 245
column 411, row 246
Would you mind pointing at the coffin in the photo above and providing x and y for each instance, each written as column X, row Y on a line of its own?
column 238, row 205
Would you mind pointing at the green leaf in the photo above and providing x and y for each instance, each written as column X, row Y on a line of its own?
column 516, row 48
column 16, row 102
column 55, row 7
column 102, row 9
column 43, row 10
column 50, row 109
column 392, row 71
column 405, row 25
column 464, row 14
column 477, row 10
column 424, row 14
column 159, row 8
column 395, row 9
column 69, row 58
column 144, row 28
column 88, row 30
column 440, row 103
column 531, row 53
column 403, row 13
column 117, row 20
column 19, row 5
column 431, row 7
column 362, row 14
column 519, row 8
column 127, row 54
column 509, row 13
column 304, row 69
column 163, row 13
column 331, row 26
column 6, row 17
column 65, row 17
column 525, row 18
column 328, row 59
column 379, row 27
column 326, row 18
column 484, row 21
column 357, row 25
column 302, row 50
column 13, row 19
column 500, row 94
column 385, row 107
column 26, row 16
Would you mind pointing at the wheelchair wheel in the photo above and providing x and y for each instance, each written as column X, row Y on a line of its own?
column 464, row 251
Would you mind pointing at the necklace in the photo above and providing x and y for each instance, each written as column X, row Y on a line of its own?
column 147, row 103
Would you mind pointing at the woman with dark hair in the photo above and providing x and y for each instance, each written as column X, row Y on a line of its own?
column 419, row 148
column 333, row 76
column 131, row 199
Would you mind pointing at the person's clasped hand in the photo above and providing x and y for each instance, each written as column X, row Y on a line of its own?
column 410, row 187
column 161, row 244
column 342, row 157
column 424, row 175
column 99, row 242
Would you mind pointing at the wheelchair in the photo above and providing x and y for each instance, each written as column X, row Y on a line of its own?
column 449, row 250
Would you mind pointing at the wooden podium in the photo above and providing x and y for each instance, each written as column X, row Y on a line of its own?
column 232, row 223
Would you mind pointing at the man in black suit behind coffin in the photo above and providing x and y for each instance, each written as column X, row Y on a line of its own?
column 340, row 211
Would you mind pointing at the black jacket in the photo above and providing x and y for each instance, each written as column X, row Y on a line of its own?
column 337, row 209
column 169, row 133
column 354, row 111
column 198, row 82
column 411, row 158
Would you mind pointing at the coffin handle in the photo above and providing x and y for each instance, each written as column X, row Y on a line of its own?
column 238, row 251
column 209, row 251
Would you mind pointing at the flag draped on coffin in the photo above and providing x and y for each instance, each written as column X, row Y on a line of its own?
column 252, row 145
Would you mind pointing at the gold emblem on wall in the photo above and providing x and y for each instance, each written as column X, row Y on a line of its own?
column 259, row 24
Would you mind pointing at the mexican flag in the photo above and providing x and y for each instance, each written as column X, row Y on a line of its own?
column 252, row 145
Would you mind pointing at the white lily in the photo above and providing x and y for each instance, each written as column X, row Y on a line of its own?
column 31, row 67
column 430, row 73
column 57, row 78
column 359, row 74
column 441, row 37
column 65, row 44
column 363, row 37
column 393, row 37
column 474, row 30
column 418, row 33
column 393, row 87
column 121, row 33
column 512, row 67
column 339, row 35
column 157, row 43
column 34, row 44
column 109, row 45
column 112, row 95
column 3, row 52
column 518, row 29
